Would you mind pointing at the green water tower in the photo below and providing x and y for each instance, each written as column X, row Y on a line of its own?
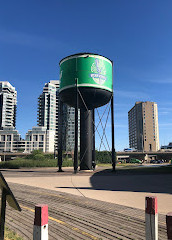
column 93, row 74
column 86, row 83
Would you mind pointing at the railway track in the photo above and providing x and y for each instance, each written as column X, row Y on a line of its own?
column 73, row 217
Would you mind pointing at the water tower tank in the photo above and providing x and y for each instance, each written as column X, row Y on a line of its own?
column 94, row 79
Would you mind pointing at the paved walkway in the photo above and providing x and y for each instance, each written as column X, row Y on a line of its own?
column 75, row 217
column 124, row 189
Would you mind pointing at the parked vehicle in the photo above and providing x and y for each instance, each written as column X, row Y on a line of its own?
column 156, row 161
column 153, row 161
column 129, row 150
column 135, row 160
column 159, row 161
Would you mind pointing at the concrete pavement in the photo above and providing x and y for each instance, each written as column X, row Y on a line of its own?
column 128, row 190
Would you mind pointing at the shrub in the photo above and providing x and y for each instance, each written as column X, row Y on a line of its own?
column 49, row 156
column 34, row 153
column 38, row 162
column 103, row 157
column 39, row 156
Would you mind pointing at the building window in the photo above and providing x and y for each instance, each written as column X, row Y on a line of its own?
column 35, row 138
column 35, row 144
column 8, row 138
column 8, row 144
column 3, row 138
column 41, row 138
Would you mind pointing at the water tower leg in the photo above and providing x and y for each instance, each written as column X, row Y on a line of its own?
column 113, row 137
column 93, row 152
column 60, row 136
column 86, row 136
column 76, row 131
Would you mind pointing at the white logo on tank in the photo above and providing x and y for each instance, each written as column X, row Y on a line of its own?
column 99, row 71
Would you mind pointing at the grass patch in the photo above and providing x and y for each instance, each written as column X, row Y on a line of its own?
column 167, row 169
column 31, row 163
column 118, row 165
column 104, row 164
column 137, row 168
column 11, row 235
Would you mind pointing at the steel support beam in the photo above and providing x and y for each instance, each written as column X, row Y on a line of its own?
column 76, row 129
column 93, row 151
column 86, row 139
column 113, row 136
column 60, row 121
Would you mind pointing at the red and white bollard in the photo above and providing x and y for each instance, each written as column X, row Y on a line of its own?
column 169, row 225
column 40, row 229
column 151, row 218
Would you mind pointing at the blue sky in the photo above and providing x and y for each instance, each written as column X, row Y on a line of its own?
column 135, row 34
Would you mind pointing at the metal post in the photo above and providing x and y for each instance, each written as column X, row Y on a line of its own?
column 76, row 128
column 40, row 228
column 3, row 209
column 113, row 136
column 93, row 152
column 54, row 152
column 151, row 218
column 60, row 136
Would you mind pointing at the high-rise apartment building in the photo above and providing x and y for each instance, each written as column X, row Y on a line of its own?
column 48, row 107
column 8, row 103
column 143, row 126
column 68, row 128
column 10, row 139
column 48, row 112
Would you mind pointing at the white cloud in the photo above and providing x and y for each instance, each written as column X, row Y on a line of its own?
column 131, row 94
column 31, row 40
column 165, row 109
column 162, row 81
column 163, row 113
column 165, row 125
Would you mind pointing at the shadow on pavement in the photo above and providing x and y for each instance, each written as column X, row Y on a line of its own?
column 129, row 181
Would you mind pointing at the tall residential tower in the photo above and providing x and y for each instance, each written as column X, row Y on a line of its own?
column 143, row 126
column 8, row 103
column 48, row 107
column 10, row 139
column 48, row 112
column 68, row 128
